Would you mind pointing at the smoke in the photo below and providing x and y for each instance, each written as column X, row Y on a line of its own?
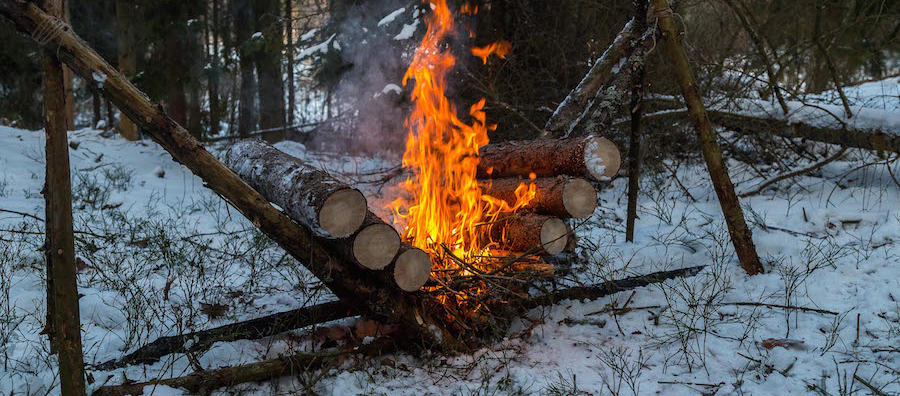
column 363, row 70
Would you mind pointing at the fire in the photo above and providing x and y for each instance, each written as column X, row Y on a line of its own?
column 444, row 208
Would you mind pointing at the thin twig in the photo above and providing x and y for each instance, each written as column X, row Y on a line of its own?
column 795, row 173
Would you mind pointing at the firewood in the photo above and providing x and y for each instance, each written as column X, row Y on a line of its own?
column 374, row 246
column 412, row 269
column 557, row 196
column 308, row 195
column 593, row 157
column 525, row 232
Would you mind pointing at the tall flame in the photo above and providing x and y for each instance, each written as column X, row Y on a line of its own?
column 444, row 206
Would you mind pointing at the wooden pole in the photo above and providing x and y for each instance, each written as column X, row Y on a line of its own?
column 741, row 236
column 634, row 141
column 62, row 278
column 347, row 281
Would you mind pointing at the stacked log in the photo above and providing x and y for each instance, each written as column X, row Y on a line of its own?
column 329, row 207
column 591, row 157
column 559, row 170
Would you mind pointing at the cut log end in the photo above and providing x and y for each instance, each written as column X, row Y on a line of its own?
column 343, row 212
column 554, row 236
column 376, row 246
column 412, row 269
column 602, row 158
column 579, row 198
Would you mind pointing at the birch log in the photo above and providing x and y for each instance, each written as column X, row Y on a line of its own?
column 308, row 195
column 593, row 157
column 560, row 196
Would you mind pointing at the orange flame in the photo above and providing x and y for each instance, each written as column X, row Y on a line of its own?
column 501, row 48
column 444, row 205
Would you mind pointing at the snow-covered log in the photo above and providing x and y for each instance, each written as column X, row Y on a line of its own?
column 593, row 157
column 308, row 195
column 560, row 196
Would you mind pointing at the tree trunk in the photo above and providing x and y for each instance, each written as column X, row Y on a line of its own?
column 175, row 52
column 125, row 20
column 268, row 68
column 634, row 141
column 241, row 14
column 531, row 232
column 592, row 157
column 214, row 110
column 308, row 195
column 62, row 278
column 741, row 236
column 68, row 81
column 415, row 312
column 560, row 196
column 96, row 107
column 289, row 31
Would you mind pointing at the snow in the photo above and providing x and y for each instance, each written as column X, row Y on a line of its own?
column 408, row 31
column 829, row 239
column 389, row 88
column 390, row 17
column 321, row 47
column 308, row 35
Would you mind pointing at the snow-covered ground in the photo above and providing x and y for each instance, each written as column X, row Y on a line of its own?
column 160, row 255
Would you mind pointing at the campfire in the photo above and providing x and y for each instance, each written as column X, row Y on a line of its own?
column 452, row 208
column 476, row 219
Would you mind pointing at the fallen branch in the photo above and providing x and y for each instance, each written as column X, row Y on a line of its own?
column 252, row 329
column 795, row 173
column 606, row 288
column 203, row 382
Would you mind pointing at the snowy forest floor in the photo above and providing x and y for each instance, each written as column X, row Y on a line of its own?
column 159, row 254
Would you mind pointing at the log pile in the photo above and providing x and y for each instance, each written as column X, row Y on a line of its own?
column 338, row 212
column 332, row 210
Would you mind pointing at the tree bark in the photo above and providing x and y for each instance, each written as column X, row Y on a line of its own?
column 347, row 281
column 125, row 20
column 531, row 232
column 570, row 110
column 561, row 196
column 308, row 195
column 241, row 14
column 268, row 67
column 62, row 279
column 591, row 157
column 741, row 236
